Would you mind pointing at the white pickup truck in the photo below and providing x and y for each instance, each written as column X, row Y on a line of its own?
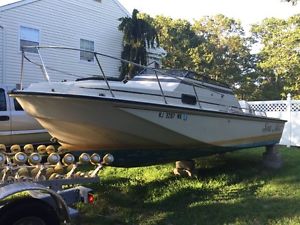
column 33, row 191
column 16, row 126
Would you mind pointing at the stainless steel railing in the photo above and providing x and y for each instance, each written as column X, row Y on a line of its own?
column 96, row 54
column 103, row 75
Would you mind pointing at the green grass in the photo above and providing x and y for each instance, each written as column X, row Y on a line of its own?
column 233, row 188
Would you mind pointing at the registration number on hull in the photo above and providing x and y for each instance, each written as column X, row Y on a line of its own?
column 172, row 115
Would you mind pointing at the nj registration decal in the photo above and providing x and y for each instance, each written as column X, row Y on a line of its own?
column 172, row 115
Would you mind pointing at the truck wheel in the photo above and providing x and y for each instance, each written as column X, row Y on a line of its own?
column 28, row 212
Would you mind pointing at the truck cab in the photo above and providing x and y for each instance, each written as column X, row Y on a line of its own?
column 16, row 126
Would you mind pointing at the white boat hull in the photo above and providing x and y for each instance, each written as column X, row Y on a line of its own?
column 110, row 124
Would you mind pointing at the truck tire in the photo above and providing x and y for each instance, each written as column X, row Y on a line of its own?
column 28, row 211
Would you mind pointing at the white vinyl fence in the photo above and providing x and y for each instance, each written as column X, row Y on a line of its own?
column 288, row 110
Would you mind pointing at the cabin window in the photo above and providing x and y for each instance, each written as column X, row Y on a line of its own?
column 29, row 37
column 188, row 99
column 2, row 100
column 89, row 46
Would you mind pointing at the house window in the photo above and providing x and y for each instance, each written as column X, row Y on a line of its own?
column 29, row 37
column 89, row 46
column 2, row 100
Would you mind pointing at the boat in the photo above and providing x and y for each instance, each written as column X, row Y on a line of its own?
column 157, row 116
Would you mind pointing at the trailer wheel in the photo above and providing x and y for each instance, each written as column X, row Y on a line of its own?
column 28, row 212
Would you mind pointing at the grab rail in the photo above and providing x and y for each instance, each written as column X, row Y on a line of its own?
column 46, row 75
column 103, row 74
column 96, row 54
column 160, row 87
column 43, row 66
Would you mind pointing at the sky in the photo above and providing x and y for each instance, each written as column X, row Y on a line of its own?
column 247, row 11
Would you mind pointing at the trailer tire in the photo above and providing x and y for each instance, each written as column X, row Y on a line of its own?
column 28, row 211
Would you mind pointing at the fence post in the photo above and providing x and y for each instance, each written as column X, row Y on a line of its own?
column 289, row 109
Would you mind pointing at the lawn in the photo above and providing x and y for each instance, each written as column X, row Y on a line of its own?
column 233, row 188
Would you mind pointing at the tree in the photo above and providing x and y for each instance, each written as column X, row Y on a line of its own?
column 279, row 55
column 213, row 46
column 176, row 37
column 216, row 46
column 224, row 52
column 138, row 35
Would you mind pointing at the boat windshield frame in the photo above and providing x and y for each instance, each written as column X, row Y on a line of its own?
column 190, row 75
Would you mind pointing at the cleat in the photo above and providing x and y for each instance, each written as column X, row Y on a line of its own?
column 53, row 158
column 49, row 172
column 2, row 148
column 95, row 159
column 2, row 159
column 59, row 168
column 68, row 159
column 69, row 168
column 20, row 158
column 28, row 149
column 108, row 159
column 22, row 173
column 15, row 149
column 41, row 149
column 34, row 159
column 34, row 172
column 61, row 150
column 50, row 149
column 84, row 158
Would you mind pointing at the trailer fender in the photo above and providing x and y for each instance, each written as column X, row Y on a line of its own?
column 60, row 205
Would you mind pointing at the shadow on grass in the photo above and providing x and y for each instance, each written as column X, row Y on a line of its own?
column 246, row 211
column 191, row 206
column 224, row 192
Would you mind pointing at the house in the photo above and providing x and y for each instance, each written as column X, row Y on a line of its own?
column 83, row 24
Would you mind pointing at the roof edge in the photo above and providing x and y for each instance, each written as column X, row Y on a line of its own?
column 16, row 4
column 25, row 2
column 122, row 8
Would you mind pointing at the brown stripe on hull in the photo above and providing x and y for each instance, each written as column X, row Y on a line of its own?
column 248, row 140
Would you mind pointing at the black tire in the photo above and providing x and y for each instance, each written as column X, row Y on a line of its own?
column 28, row 211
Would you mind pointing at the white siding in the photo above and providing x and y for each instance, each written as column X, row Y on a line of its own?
column 1, row 53
column 63, row 23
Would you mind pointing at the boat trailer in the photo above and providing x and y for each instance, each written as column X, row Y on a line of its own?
column 38, row 186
